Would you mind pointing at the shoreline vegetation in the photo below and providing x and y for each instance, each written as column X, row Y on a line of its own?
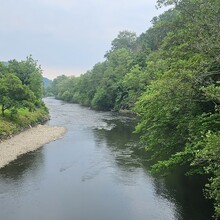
column 27, row 141
column 21, row 90
column 10, row 126
column 22, row 110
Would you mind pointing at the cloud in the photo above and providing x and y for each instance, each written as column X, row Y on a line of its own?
column 72, row 34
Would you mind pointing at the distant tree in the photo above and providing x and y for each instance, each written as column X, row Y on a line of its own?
column 3, row 68
column 55, row 83
column 110, row 91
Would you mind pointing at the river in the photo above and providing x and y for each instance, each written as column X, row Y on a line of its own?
column 97, row 171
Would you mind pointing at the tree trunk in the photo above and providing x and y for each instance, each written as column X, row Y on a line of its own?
column 3, row 111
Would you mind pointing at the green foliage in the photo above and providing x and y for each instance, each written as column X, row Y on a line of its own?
column 30, row 74
column 181, row 104
column 55, row 83
column 20, row 96
column 166, row 109
column 13, row 93
column 11, row 124
column 103, row 99
column 134, row 84
column 125, row 40
column 7, row 127
column 20, row 85
column 208, row 158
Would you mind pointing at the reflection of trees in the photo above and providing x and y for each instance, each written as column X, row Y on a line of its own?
column 183, row 191
column 122, row 143
column 122, row 148
column 17, row 169
column 186, row 193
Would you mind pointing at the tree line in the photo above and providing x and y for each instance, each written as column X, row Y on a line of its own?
column 21, row 90
column 169, row 76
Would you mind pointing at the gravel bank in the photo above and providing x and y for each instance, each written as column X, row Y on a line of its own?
column 28, row 140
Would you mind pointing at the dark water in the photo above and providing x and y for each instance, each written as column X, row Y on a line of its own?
column 96, row 172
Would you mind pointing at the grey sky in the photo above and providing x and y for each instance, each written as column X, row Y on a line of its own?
column 68, row 36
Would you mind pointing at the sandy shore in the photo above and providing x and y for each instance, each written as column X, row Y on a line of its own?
column 27, row 141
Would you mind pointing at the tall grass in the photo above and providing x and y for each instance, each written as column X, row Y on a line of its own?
column 14, row 123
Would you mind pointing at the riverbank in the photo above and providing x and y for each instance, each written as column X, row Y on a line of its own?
column 24, row 119
column 28, row 140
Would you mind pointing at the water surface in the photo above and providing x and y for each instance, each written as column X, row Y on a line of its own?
column 97, row 171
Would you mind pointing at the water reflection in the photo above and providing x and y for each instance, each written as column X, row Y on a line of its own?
column 188, row 191
column 24, row 165
column 130, row 158
column 122, row 142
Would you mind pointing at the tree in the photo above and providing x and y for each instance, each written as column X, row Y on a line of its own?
column 208, row 158
column 55, row 83
column 110, row 92
column 134, row 83
column 30, row 74
column 3, row 68
column 124, row 40
column 181, row 104
column 13, row 93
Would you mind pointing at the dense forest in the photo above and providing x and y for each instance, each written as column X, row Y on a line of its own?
column 169, row 76
column 21, row 89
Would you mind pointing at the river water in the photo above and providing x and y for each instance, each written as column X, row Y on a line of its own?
column 97, row 171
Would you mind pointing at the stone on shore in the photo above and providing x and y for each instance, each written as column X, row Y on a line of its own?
column 27, row 141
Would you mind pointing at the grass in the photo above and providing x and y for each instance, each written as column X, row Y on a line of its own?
column 10, row 125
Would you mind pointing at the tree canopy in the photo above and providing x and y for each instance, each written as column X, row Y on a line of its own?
column 20, row 85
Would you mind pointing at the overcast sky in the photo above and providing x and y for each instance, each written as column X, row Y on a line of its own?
column 68, row 36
